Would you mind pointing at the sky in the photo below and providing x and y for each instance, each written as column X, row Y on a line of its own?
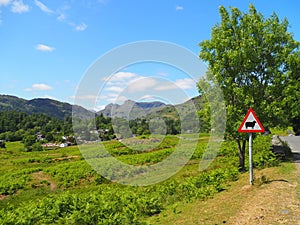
column 48, row 47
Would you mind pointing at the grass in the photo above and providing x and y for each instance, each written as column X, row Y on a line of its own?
column 272, row 200
column 281, row 132
column 52, row 173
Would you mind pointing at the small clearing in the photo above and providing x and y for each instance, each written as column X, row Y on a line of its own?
column 39, row 177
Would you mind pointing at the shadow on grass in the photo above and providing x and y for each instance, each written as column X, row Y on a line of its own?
column 296, row 157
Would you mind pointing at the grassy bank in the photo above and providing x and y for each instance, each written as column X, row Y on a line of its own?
column 59, row 187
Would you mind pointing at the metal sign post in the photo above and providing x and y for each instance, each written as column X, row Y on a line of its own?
column 250, row 159
column 251, row 124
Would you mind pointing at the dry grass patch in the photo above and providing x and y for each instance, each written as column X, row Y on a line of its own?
column 273, row 199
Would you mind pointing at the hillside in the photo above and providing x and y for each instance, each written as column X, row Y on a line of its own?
column 46, row 106
column 128, row 110
column 188, row 107
column 131, row 110
column 60, row 187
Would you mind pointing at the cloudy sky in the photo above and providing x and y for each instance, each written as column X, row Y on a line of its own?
column 47, row 47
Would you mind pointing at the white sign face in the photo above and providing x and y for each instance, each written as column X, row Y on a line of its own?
column 251, row 123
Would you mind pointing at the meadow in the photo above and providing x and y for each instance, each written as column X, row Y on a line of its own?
column 60, row 187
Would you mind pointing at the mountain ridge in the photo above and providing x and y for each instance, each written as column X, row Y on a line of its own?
column 50, row 107
column 131, row 109
column 128, row 110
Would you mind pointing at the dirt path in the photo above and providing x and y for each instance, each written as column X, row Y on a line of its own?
column 38, row 177
column 275, row 202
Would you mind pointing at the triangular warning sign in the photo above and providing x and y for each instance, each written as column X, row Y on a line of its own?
column 251, row 123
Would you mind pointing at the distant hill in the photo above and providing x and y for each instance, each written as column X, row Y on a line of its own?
column 46, row 106
column 190, row 106
column 131, row 109
column 128, row 110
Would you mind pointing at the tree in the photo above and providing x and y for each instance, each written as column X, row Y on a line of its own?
column 2, row 144
column 49, row 137
column 292, row 95
column 252, row 58
column 28, row 142
column 37, row 147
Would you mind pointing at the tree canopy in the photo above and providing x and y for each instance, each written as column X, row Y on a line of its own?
column 255, row 61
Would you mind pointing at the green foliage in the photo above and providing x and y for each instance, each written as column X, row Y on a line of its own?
column 250, row 56
column 262, row 154
column 37, row 147
column 12, row 182
column 71, row 174
column 84, row 197
column 2, row 144
column 254, row 60
column 117, row 204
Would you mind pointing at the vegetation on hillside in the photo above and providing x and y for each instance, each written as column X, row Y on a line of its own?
column 58, row 186
column 255, row 61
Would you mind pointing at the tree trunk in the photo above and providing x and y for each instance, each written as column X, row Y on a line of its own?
column 242, row 153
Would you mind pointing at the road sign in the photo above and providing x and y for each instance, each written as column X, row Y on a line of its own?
column 251, row 123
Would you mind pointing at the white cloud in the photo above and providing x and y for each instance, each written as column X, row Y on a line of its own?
column 184, row 84
column 99, row 107
column 50, row 97
column 19, row 7
column 120, row 76
column 163, row 74
column 112, row 97
column 62, row 17
column 62, row 13
column 80, row 27
column 4, row 2
column 148, row 98
column 85, row 97
column 179, row 8
column 44, row 48
column 39, row 87
column 141, row 84
column 42, row 7
column 114, row 89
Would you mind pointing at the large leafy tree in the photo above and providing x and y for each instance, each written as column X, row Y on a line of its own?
column 254, row 60
column 292, row 94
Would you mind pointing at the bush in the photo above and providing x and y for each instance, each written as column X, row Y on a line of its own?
column 2, row 144
column 262, row 154
column 37, row 147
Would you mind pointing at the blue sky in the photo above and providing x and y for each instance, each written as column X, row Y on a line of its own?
column 46, row 47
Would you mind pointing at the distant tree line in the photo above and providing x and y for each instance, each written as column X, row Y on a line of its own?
column 35, row 129
column 19, row 126
column 15, row 126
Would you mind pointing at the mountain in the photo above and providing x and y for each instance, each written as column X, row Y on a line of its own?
column 131, row 109
column 128, row 110
column 46, row 106
column 171, row 111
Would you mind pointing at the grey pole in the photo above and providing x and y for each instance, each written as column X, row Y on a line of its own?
column 250, row 159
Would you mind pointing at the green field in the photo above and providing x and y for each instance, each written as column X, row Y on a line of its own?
column 60, row 187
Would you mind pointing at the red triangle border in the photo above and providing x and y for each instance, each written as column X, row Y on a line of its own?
column 257, row 120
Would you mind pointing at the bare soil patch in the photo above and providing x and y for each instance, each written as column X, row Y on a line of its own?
column 39, row 177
